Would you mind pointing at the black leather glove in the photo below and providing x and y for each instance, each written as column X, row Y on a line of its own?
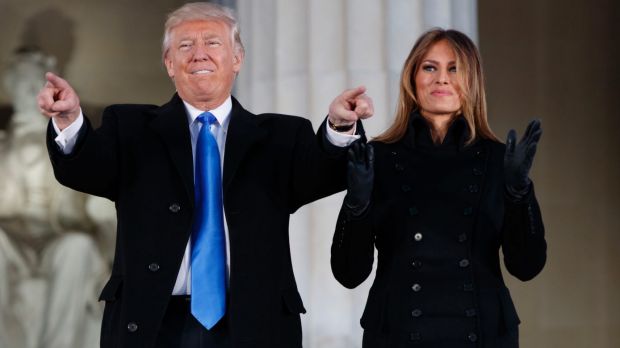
column 518, row 160
column 360, row 177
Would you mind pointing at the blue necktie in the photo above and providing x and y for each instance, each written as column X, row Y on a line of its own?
column 208, row 283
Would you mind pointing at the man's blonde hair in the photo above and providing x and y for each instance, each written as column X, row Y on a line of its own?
column 202, row 11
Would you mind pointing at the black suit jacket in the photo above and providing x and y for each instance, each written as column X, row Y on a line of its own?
column 438, row 217
column 141, row 159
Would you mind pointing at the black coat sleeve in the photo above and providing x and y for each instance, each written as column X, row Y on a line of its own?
column 92, row 166
column 318, row 167
column 352, row 251
column 523, row 242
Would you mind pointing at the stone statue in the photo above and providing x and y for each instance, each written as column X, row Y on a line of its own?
column 51, row 263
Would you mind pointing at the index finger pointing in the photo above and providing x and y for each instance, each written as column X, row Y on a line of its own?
column 353, row 92
column 56, row 81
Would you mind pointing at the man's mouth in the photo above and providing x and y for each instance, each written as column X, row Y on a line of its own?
column 201, row 72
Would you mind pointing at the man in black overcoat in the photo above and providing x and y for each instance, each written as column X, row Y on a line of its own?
column 142, row 159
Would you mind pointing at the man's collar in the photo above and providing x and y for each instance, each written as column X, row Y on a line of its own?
column 221, row 112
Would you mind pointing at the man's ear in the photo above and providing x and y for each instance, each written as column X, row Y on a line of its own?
column 237, row 61
column 169, row 66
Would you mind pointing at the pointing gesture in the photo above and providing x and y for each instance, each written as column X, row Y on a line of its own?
column 58, row 100
column 350, row 106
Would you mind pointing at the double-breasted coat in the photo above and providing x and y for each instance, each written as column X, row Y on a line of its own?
column 438, row 217
column 141, row 158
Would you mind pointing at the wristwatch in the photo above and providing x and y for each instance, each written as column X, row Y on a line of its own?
column 340, row 128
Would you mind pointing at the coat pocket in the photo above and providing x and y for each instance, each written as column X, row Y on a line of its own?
column 110, row 323
column 111, row 291
column 292, row 301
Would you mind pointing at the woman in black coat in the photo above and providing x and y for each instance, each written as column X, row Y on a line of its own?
column 437, row 195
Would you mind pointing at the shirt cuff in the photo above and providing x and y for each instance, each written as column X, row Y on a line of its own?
column 67, row 137
column 341, row 139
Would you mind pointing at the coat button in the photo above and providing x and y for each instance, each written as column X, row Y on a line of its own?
column 406, row 188
column 415, row 336
column 417, row 237
column 470, row 312
column 468, row 211
column 153, row 267
column 468, row 287
column 416, row 287
column 473, row 188
column 464, row 263
column 416, row 313
column 413, row 211
column 416, row 264
column 477, row 172
column 398, row 167
column 174, row 207
column 472, row 337
column 462, row 237
column 132, row 327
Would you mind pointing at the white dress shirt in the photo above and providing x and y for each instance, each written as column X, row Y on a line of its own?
column 67, row 138
column 219, row 131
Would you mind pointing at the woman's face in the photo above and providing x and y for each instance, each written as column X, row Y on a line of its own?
column 436, row 82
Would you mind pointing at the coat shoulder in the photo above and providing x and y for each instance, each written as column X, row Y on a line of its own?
column 130, row 108
column 282, row 121
column 129, row 113
column 382, row 148
column 290, row 119
column 495, row 148
column 494, row 144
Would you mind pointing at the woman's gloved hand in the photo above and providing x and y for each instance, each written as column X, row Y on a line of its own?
column 518, row 160
column 360, row 177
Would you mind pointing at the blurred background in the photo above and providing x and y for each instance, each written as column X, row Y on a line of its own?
column 557, row 60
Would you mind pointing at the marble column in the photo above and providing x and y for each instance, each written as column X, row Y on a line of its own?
column 300, row 54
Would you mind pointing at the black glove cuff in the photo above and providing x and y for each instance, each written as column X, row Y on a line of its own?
column 518, row 195
column 355, row 210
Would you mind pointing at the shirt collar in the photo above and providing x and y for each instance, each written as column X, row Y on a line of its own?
column 221, row 112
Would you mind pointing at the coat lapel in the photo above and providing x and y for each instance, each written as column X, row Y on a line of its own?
column 171, row 124
column 244, row 131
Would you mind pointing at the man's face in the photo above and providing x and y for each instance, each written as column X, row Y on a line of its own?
column 202, row 62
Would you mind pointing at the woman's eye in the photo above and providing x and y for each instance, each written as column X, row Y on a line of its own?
column 428, row 68
column 452, row 69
